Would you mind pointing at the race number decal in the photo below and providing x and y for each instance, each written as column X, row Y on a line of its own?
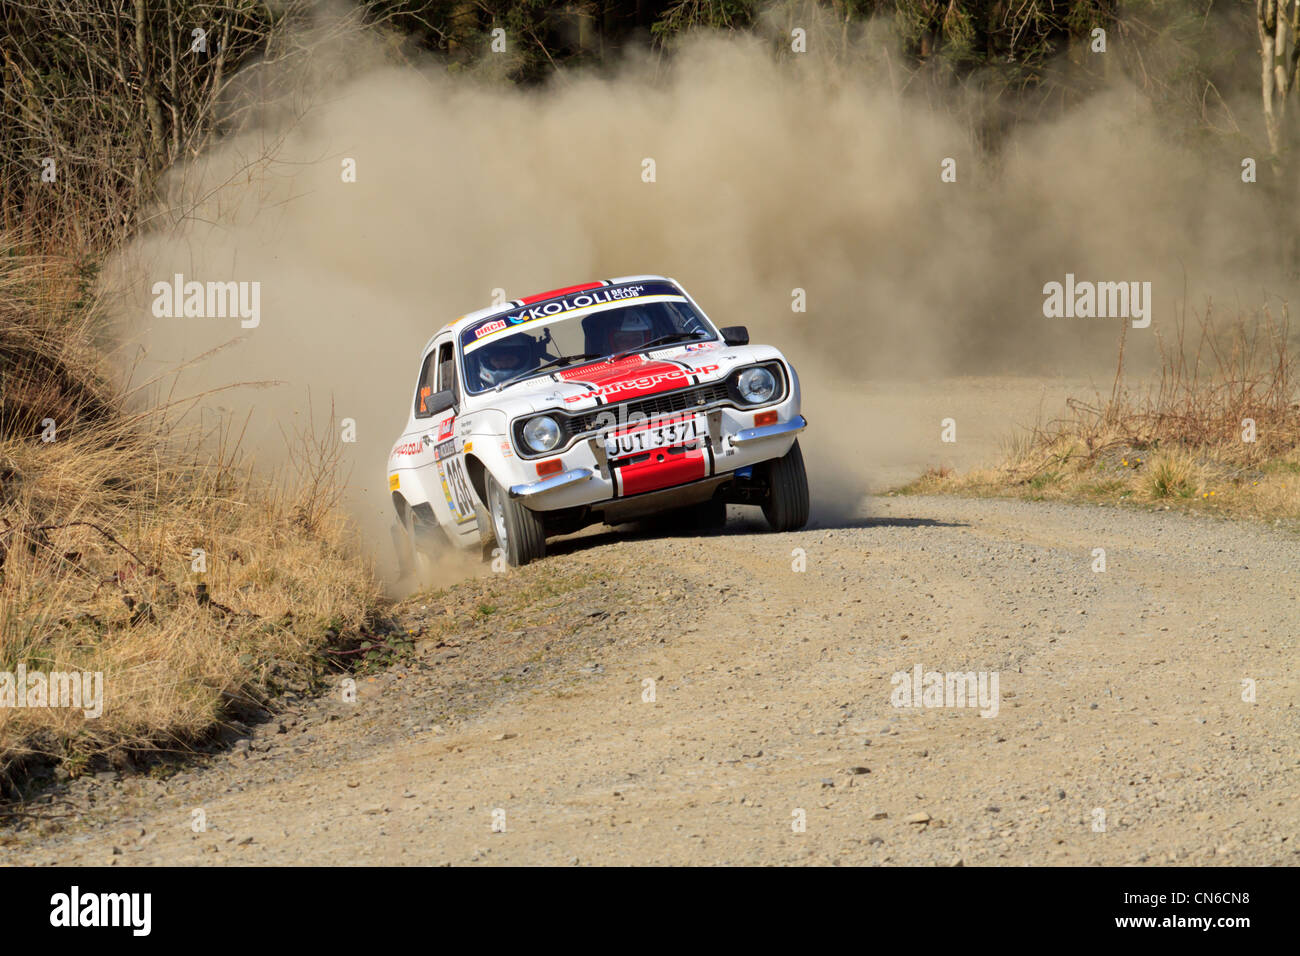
column 455, row 486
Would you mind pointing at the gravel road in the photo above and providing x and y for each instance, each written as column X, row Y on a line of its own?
column 522, row 731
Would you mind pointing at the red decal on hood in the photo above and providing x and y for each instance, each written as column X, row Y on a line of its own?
column 542, row 296
column 631, row 378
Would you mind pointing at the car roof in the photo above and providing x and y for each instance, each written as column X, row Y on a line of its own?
column 471, row 317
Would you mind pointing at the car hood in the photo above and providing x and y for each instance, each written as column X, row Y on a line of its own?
column 638, row 376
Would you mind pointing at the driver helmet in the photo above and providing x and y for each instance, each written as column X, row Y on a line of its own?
column 504, row 360
column 630, row 331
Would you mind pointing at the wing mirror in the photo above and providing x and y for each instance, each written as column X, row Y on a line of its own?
column 440, row 401
column 735, row 335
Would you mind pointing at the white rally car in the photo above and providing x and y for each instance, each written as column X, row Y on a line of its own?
column 610, row 401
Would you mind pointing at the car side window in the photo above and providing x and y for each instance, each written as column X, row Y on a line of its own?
column 426, row 386
column 447, row 368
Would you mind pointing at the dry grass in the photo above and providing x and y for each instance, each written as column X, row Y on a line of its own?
column 98, row 536
column 1179, row 441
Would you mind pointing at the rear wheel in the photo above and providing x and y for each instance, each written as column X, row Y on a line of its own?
column 405, row 549
column 786, row 508
column 414, row 549
column 518, row 530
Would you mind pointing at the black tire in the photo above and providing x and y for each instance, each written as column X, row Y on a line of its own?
column 414, row 549
column 786, row 508
column 405, row 550
column 525, row 535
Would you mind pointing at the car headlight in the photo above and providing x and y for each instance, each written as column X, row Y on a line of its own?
column 756, row 385
column 541, row 433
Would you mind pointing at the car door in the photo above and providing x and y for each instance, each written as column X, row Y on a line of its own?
column 457, row 501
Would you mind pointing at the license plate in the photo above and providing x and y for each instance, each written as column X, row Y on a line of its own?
column 680, row 432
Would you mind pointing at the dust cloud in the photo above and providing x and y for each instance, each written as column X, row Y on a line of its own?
column 772, row 174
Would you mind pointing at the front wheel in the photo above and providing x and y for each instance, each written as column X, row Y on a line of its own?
column 786, row 508
column 518, row 530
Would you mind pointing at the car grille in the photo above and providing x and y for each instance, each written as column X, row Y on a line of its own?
column 666, row 404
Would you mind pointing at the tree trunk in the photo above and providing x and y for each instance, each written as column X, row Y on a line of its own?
column 153, row 111
column 1278, row 22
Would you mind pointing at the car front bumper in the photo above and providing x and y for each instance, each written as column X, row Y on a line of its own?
column 533, row 489
column 763, row 432
column 587, row 477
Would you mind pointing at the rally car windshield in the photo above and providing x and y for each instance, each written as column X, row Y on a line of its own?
column 544, row 338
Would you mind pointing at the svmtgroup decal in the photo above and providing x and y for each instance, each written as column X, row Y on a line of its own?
column 643, row 382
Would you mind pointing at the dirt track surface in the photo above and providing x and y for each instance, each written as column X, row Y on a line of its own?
column 1119, row 691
